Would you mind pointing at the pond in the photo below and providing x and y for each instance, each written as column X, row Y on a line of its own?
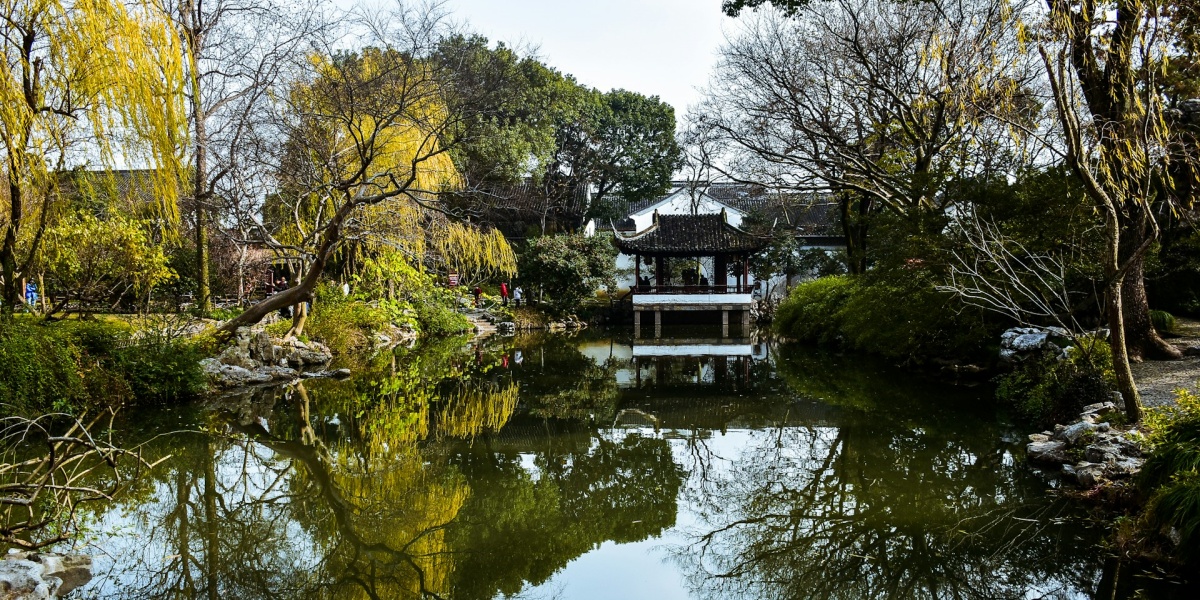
column 596, row 466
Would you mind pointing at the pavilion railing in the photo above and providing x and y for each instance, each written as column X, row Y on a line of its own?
column 691, row 289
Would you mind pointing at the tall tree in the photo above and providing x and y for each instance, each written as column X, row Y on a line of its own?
column 236, row 51
column 93, row 81
column 366, row 137
column 621, row 143
column 1105, row 61
column 880, row 106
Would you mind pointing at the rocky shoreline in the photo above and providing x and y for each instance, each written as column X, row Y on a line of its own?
column 1089, row 451
column 255, row 358
column 42, row 576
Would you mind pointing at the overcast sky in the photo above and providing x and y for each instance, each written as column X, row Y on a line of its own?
column 662, row 48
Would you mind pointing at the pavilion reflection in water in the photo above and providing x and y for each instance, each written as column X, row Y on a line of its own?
column 716, row 363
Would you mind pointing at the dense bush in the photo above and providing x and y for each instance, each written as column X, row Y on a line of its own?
column 69, row 365
column 343, row 323
column 39, row 368
column 901, row 318
column 1048, row 390
column 1171, row 475
column 437, row 317
column 811, row 311
column 567, row 269
column 348, row 323
column 1163, row 321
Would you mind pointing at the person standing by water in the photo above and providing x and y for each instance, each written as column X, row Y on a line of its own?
column 504, row 293
column 517, row 293
column 477, row 292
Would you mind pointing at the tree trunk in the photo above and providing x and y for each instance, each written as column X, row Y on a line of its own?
column 1141, row 339
column 303, row 290
column 299, row 318
column 854, row 228
column 8, row 252
column 200, row 196
column 192, row 37
column 1120, row 357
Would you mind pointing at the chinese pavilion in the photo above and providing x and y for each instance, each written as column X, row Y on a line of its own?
column 691, row 263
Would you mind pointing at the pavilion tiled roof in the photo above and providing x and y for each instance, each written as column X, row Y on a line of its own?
column 689, row 235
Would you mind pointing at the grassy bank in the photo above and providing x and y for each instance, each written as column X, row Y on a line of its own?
column 73, row 365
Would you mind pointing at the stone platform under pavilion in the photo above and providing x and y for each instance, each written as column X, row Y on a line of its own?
column 691, row 263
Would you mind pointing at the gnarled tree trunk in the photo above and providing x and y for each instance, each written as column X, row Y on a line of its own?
column 1141, row 339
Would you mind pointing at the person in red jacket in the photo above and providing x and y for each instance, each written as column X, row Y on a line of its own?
column 477, row 291
column 504, row 294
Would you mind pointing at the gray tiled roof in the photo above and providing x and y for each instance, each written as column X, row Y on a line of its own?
column 690, row 235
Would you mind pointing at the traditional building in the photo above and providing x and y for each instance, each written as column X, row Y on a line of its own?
column 696, row 262
column 814, row 222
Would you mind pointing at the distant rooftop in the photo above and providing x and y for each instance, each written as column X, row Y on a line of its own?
column 690, row 235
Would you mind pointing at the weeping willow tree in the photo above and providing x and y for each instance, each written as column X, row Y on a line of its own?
column 383, row 509
column 92, row 80
column 365, row 154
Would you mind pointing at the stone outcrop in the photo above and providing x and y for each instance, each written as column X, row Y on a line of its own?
column 1019, row 343
column 1089, row 451
column 254, row 358
column 41, row 576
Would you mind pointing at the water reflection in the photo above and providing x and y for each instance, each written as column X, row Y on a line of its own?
column 474, row 470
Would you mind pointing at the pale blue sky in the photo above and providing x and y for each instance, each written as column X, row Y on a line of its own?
column 655, row 47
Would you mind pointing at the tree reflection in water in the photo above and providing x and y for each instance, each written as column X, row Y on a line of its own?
column 391, row 485
column 874, row 505
column 467, row 471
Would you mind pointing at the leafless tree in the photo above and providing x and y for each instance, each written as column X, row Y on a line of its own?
column 238, row 52
column 48, row 471
column 997, row 273
column 879, row 99
column 877, row 105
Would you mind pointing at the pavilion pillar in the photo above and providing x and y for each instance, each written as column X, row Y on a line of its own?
column 658, row 274
column 637, row 271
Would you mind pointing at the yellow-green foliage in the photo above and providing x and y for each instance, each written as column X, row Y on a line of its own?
column 121, row 67
column 90, row 258
column 1158, row 420
column 810, row 312
column 1171, row 474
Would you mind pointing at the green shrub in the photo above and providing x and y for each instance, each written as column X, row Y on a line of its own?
column 161, row 371
column 1046, row 390
column 1171, row 475
column 902, row 318
column 811, row 311
column 345, row 324
column 438, row 319
column 39, row 368
column 68, row 365
column 225, row 314
column 1163, row 321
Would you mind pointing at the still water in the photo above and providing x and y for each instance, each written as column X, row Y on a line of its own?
column 591, row 466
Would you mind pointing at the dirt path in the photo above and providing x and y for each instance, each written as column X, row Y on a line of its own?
column 1157, row 380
